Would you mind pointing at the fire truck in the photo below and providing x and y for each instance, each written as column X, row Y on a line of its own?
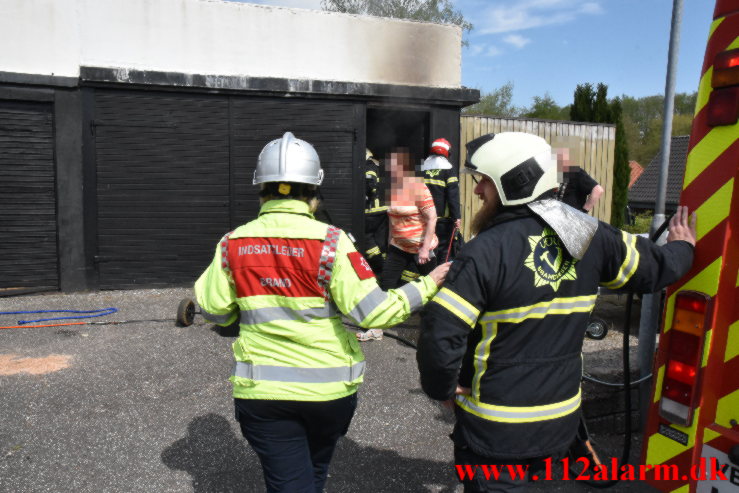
column 694, row 411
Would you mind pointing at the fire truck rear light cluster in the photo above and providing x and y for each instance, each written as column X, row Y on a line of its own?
column 681, row 372
column 726, row 60
column 690, row 304
column 726, row 69
column 723, row 103
column 684, row 357
column 723, row 106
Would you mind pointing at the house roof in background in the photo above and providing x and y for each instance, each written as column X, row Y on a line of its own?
column 643, row 193
column 636, row 171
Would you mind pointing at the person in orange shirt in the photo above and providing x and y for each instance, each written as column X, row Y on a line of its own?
column 412, row 217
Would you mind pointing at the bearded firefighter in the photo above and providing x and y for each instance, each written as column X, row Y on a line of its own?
column 501, row 341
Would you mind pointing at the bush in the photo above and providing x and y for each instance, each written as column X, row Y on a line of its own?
column 642, row 223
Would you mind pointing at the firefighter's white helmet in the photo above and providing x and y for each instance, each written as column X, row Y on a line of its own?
column 288, row 159
column 520, row 165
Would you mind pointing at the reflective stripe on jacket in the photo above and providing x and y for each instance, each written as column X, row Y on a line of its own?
column 292, row 344
column 444, row 187
column 509, row 324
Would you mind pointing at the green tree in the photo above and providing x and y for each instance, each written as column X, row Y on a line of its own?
column 685, row 103
column 643, row 122
column 601, row 107
column 621, row 169
column 593, row 106
column 496, row 103
column 584, row 101
column 439, row 11
column 546, row 108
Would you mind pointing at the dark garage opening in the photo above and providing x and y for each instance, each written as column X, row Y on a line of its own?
column 391, row 128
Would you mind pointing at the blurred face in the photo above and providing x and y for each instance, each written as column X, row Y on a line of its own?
column 485, row 189
column 399, row 168
column 563, row 161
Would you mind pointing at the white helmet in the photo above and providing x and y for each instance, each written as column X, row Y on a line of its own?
column 289, row 160
column 520, row 165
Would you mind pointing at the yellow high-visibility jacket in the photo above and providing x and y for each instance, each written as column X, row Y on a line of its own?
column 289, row 278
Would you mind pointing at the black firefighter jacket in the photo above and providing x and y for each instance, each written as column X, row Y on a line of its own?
column 444, row 187
column 509, row 323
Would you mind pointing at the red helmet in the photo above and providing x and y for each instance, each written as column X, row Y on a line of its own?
column 441, row 146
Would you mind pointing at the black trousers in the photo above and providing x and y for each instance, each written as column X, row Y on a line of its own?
column 397, row 260
column 294, row 440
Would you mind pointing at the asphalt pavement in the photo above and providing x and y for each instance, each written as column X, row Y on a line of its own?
column 146, row 407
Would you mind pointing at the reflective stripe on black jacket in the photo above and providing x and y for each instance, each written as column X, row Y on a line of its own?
column 444, row 187
column 509, row 323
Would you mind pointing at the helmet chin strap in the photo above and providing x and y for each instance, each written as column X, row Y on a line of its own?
column 574, row 228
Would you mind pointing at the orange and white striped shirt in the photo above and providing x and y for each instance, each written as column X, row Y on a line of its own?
column 407, row 225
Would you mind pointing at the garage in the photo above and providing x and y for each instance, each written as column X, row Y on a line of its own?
column 123, row 164
column 28, row 236
column 173, row 173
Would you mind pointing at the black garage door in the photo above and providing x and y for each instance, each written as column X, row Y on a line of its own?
column 174, row 173
column 328, row 125
column 28, row 233
column 162, row 186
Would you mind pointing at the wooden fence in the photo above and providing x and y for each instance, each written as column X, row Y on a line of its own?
column 591, row 147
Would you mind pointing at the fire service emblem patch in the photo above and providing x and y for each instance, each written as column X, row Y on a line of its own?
column 549, row 260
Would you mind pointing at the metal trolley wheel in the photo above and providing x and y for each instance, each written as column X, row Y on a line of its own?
column 597, row 328
column 186, row 312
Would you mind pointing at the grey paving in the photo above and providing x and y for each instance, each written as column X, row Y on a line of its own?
column 145, row 407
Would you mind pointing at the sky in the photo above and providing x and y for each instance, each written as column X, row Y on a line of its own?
column 550, row 46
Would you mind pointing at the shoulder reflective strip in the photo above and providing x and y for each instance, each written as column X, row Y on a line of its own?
column 413, row 293
column 216, row 319
column 557, row 306
column 224, row 253
column 376, row 209
column 457, row 305
column 371, row 173
column 527, row 414
column 630, row 263
column 452, row 179
column 300, row 375
column 373, row 299
column 271, row 314
column 328, row 256
column 430, row 181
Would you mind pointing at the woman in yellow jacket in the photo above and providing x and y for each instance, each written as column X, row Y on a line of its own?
column 289, row 278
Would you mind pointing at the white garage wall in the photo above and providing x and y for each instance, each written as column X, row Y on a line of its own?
column 224, row 38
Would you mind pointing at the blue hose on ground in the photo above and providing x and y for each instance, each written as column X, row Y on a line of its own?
column 83, row 314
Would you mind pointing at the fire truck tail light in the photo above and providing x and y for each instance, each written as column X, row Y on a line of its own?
column 723, row 103
column 695, row 305
column 726, row 59
column 683, row 358
column 723, row 107
column 681, row 372
column 726, row 69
